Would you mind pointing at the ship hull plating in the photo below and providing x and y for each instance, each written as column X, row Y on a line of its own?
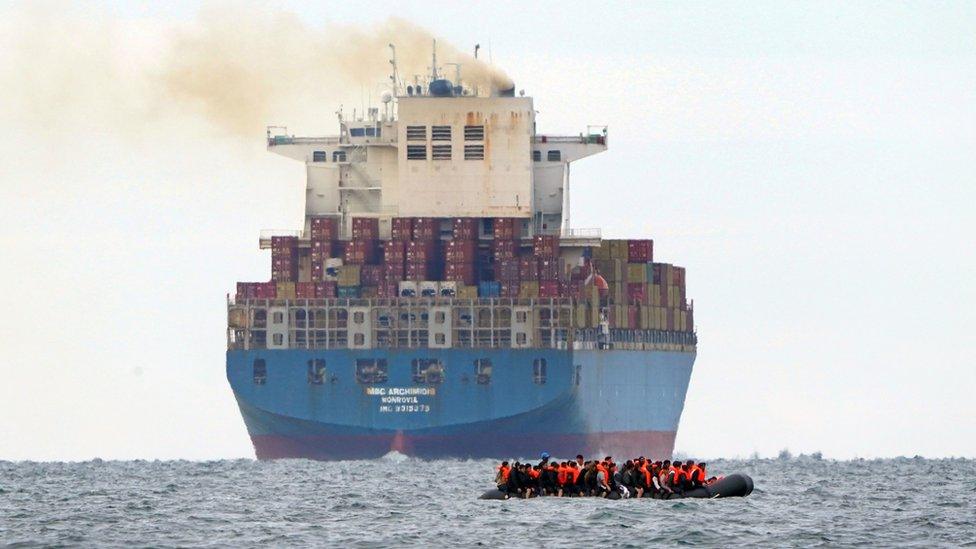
column 618, row 402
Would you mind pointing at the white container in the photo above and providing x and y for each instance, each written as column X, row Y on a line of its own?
column 331, row 268
column 447, row 289
column 408, row 288
column 428, row 288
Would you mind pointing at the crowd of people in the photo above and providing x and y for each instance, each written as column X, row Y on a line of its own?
column 636, row 478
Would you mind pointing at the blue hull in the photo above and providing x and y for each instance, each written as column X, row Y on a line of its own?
column 617, row 402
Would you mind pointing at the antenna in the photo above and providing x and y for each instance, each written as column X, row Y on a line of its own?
column 433, row 67
column 457, row 73
column 394, row 78
column 476, row 48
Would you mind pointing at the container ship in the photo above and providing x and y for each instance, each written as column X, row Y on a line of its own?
column 437, row 301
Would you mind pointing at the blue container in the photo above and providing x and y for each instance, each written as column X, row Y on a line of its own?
column 489, row 288
column 348, row 291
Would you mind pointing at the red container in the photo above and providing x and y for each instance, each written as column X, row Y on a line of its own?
column 245, row 290
column 257, row 290
column 365, row 228
column 418, row 271
column 401, row 228
column 507, row 269
column 283, row 242
column 371, row 275
column 545, row 245
column 528, row 268
column 504, row 249
column 426, row 228
column 672, row 320
column 548, row 288
column 387, row 290
column 637, row 293
column 460, row 251
column 690, row 326
column 640, row 251
column 359, row 252
column 321, row 250
column 394, row 251
column 678, row 273
column 548, row 269
column 421, row 251
column 324, row 228
column 509, row 288
column 465, row 228
column 506, row 228
column 394, row 272
column 305, row 290
column 633, row 316
column 573, row 289
column 325, row 290
column 460, row 272
column 318, row 271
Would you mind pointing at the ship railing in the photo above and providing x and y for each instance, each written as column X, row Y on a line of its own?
column 276, row 140
column 586, row 139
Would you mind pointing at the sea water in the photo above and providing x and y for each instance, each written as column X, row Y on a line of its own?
column 398, row 502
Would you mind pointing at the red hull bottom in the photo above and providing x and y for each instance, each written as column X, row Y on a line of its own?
column 620, row 445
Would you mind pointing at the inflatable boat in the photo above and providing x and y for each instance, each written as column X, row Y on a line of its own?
column 732, row 486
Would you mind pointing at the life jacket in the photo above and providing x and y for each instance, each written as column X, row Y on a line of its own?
column 533, row 473
column 561, row 475
column 679, row 476
column 697, row 475
column 575, row 472
column 606, row 474
column 647, row 476
column 702, row 474
column 504, row 472
column 662, row 477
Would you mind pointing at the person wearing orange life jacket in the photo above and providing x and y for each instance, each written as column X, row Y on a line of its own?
column 696, row 475
column 501, row 478
column 677, row 477
column 602, row 479
column 550, row 479
column 664, row 479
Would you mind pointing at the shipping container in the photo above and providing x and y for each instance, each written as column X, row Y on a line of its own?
column 602, row 251
column 331, row 267
column 360, row 252
column 321, row 249
column 467, row 292
column 508, row 288
column 324, row 228
column 394, row 251
column 506, row 228
column 460, row 251
column 428, row 288
column 640, row 251
column 465, row 228
column 610, row 269
column 507, row 269
column 618, row 250
column 371, row 275
column 325, row 290
column 528, row 289
column 348, row 292
column 426, row 228
column 636, row 272
column 489, row 288
column 408, row 288
column 283, row 242
column 447, row 289
column 350, row 275
column 421, row 271
column 387, row 290
column 502, row 250
column 401, row 229
column 460, row 272
column 305, row 290
column 419, row 251
column 545, row 245
column 548, row 288
column 637, row 293
column 528, row 268
column 365, row 228
column 394, row 272
column 549, row 268
column 286, row 290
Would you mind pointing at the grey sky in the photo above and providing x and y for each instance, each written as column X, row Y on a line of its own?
column 811, row 164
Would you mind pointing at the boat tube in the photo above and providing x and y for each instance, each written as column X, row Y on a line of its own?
column 733, row 486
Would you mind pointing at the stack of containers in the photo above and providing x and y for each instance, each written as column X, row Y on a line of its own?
column 545, row 248
column 256, row 290
column 394, row 259
column 422, row 258
column 323, row 235
column 505, row 248
column 460, row 253
column 284, row 258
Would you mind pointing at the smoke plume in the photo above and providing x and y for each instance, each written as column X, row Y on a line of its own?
column 239, row 73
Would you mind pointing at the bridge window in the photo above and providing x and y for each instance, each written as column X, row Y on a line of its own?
column 440, row 152
column 359, row 339
column 439, row 339
column 357, row 132
column 474, row 152
column 553, row 156
column 416, row 152
column 537, row 156
column 278, row 339
column 371, row 370
column 539, row 371
column 416, row 133
column 520, row 338
column 427, row 370
column 482, row 371
column 260, row 371
column 338, row 156
column 372, row 132
column 277, row 318
column 440, row 133
column 474, row 133
column 316, row 371
column 318, row 156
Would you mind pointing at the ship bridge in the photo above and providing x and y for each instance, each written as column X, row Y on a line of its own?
column 445, row 156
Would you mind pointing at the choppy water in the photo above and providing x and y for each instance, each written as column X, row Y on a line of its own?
column 396, row 502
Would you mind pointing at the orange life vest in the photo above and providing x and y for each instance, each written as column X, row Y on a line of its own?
column 534, row 473
column 679, row 476
column 697, row 474
column 562, row 475
column 606, row 474
column 505, row 471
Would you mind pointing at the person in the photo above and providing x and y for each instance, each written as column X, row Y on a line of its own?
column 622, row 479
column 501, row 479
column 695, row 474
column 579, row 461
column 549, row 480
column 664, row 479
column 545, row 459
column 676, row 478
column 602, row 479
column 515, row 487
column 563, row 475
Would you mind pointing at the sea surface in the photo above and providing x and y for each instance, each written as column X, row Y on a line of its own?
column 398, row 502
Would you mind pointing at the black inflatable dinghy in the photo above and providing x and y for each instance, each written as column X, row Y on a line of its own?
column 732, row 486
